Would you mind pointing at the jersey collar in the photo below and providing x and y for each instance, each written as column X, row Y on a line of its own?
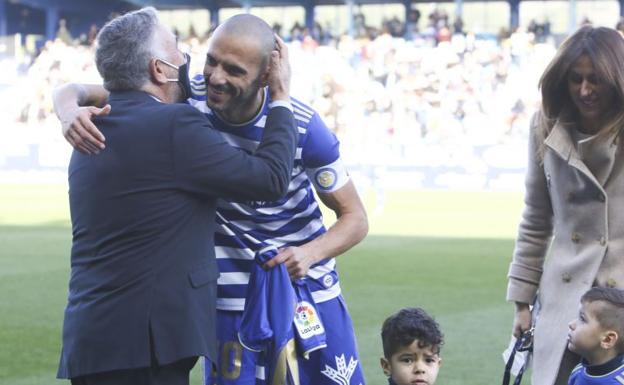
column 606, row 368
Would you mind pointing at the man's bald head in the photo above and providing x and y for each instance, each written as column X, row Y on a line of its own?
column 251, row 28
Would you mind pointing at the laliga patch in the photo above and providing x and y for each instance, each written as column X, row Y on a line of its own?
column 307, row 321
column 328, row 280
column 326, row 178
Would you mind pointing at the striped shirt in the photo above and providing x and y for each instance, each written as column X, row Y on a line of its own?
column 293, row 220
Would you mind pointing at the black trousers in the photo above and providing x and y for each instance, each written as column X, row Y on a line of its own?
column 176, row 373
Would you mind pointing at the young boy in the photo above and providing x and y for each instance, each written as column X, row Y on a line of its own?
column 411, row 343
column 597, row 335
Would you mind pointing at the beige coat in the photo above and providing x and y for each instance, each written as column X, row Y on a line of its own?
column 579, row 214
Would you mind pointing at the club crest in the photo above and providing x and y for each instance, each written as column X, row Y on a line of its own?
column 326, row 178
column 343, row 372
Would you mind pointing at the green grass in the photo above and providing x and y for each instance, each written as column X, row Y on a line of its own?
column 447, row 252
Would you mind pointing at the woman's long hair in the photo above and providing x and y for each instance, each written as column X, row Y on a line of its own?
column 605, row 48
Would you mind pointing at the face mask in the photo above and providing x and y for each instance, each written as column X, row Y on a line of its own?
column 183, row 76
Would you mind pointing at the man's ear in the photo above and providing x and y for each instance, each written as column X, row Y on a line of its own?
column 609, row 339
column 385, row 366
column 156, row 72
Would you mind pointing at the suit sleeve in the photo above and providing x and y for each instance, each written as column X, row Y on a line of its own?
column 205, row 163
column 534, row 231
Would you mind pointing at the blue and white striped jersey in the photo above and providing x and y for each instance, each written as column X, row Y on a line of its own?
column 291, row 221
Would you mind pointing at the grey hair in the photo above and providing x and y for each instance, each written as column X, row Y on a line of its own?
column 125, row 46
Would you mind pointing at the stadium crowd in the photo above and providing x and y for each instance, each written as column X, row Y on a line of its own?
column 449, row 107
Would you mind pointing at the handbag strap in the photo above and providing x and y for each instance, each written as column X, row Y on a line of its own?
column 507, row 375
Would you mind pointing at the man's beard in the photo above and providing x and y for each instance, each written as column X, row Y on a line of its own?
column 241, row 99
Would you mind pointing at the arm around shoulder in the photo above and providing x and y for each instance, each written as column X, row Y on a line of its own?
column 73, row 95
column 76, row 124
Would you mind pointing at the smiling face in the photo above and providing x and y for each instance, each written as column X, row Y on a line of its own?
column 413, row 365
column 234, row 74
column 592, row 96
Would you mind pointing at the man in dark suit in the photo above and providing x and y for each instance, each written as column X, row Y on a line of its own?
column 141, row 304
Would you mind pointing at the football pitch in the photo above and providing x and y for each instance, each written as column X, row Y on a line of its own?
column 447, row 252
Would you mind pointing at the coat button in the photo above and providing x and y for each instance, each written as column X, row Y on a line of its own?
column 566, row 277
column 576, row 237
column 611, row 282
column 603, row 241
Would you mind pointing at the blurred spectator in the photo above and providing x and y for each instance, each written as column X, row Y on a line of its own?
column 277, row 28
column 359, row 26
column 394, row 27
column 63, row 33
column 434, row 102
column 503, row 35
column 540, row 31
column 192, row 33
column 458, row 25
column 296, row 32
column 91, row 36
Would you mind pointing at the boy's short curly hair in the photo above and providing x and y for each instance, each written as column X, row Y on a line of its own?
column 407, row 325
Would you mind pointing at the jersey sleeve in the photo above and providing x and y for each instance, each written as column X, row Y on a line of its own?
column 321, row 157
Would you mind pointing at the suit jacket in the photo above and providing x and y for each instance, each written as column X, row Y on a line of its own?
column 571, row 236
column 143, row 271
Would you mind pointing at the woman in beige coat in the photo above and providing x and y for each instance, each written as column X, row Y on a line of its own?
column 571, row 236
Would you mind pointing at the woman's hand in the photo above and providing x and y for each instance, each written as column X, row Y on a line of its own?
column 522, row 319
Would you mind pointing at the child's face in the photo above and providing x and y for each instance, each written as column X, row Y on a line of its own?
column 586, row 333
column 413, row 365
